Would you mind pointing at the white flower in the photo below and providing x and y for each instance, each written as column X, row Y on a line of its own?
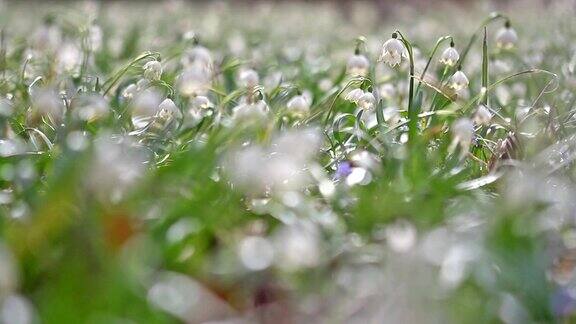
column 463, row 134
column 506, row 37
column 198, row 55
column 90, row 107
column 392, row 51
column 365, row 159
column 168, row 109
column 193, row 117
column 152, row 70
column 298, row 106
column 130, row 91
column 366, row 101
column 144, row 107
column 354, row 95
column 201, row 102
column 251, row 111
column 391, row 116
column 482, row 116
column 69, row 58
column 358, row 65
column 249, row 78
column 450, row 56
column 197, row 110
column 458, row 81
column 194, row 80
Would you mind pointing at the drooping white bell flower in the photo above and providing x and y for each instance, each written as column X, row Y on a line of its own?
column 249, row 78
column 298, row 106
column 130, row 91
column 506, row 37
column 365, row 159
column 198, row 55
column 194, row 80
column 458, row 81
column 354, row 95
column 357, row 65
column 250, row 112
column 144, row 107
column 482, row 116
column 393, row 51
column 366, row 101
column 153, row 70
column 201, row 102
column 462, row 136
column 198, row 109
column 169, row 110
column 450, row 56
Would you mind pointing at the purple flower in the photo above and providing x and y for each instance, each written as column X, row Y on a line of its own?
column 343, row 170
column 563, row 302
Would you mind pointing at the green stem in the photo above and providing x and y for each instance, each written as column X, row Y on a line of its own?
column 109, row 84
column 438, row 43
column 350, row 83
column 412, row 111
column 430, row 120
column 485, row 70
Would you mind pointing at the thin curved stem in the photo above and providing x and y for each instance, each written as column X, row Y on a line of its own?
column 412, row 111
column 438, row 43
column 331, row 107
column 110, row 83
column 496, row 83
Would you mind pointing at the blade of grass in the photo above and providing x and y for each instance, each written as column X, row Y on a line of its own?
column 485, row 69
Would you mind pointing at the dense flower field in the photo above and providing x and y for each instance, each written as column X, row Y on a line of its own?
column 287, row 163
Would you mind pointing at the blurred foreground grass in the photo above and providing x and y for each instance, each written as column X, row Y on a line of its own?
column 163, row 162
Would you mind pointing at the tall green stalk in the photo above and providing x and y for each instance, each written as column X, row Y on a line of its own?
column 485, row 69
column 412, row 110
